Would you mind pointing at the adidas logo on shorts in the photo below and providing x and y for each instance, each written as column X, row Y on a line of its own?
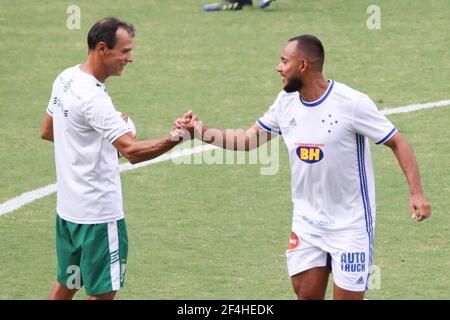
column 360, row 280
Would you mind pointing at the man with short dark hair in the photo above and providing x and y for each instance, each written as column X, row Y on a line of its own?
column 87, row 131
column 326, row 127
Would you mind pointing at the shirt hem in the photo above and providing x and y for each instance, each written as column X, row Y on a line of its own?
column 308, row 229
column 88, row 221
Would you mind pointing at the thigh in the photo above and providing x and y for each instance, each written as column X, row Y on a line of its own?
column 308, row 265
column 304, row 252
column 342, row 294
column 68, row 254
column 104, row 258
column 311, row 284
column 351, row 263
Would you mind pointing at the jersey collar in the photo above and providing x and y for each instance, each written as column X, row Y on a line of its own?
column 321, row 99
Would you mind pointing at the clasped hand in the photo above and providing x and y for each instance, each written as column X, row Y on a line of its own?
column 185, row 127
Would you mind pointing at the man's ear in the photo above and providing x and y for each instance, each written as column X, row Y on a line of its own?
column 303, row 65
column 101, row 48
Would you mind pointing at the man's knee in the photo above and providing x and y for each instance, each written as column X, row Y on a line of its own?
column 309, row 294
column 107, row 296
column 311, row 284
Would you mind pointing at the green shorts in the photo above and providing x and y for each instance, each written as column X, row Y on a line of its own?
column 91, row 255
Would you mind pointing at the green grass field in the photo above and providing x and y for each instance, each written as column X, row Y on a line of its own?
column 220, row 231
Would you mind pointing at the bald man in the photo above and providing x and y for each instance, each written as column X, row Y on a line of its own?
column 326, row 127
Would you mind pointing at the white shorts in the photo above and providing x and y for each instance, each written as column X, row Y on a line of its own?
column 348, row 255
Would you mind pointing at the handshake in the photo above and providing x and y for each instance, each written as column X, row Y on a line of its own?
column 186, row 128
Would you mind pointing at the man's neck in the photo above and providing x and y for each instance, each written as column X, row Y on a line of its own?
column 93, row 67
column 314, row 88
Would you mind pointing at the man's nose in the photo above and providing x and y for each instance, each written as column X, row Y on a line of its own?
column 279, row 67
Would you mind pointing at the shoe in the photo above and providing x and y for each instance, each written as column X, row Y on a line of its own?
column 227, row 5
column 265, row 3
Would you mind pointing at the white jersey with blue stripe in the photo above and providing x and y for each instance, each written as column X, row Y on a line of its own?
column 333, row 188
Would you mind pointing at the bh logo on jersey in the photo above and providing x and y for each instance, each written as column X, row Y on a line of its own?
column 309, row 154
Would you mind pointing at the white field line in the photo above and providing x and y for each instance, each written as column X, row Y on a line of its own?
column 415, row 107
column 30, row 196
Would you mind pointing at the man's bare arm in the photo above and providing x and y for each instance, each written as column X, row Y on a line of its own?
column 47, row 128
column 138, row 151
column 419, row 206
column 231, row 139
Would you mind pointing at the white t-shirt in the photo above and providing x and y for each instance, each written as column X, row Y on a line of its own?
column 85, row 124
column 333, row 188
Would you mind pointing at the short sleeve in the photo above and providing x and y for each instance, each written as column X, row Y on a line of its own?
column 369, row 122
column 52, row 102
column 269, row 121
column 102, row 117
column 50, row 107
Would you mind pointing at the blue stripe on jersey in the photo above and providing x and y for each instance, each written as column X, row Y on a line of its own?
column 262, row 125
column 358, row 152
column 360, row 141
column 360, row 145
column 388, row 136
column 370, row 259
column 316, row 103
